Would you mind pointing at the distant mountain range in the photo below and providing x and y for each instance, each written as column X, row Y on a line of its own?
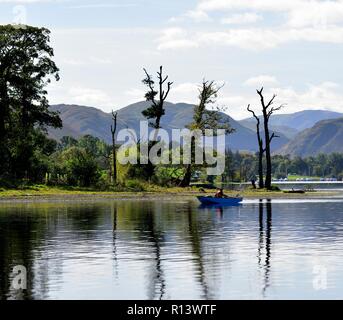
column 81, row 120
column 292, row 124
column 301, row 133
column 324, row 137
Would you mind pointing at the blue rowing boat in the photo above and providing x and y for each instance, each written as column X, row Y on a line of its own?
column 229, row 201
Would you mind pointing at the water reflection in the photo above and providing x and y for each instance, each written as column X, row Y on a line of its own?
column 265, row 240
column 114, row 238
column 14, row 250
column 157, row 281
column 195, row 240
column 170, row 250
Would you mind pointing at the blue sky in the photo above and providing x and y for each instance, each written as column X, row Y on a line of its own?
column 294, row 48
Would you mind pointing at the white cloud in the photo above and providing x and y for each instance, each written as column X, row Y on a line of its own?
column 175, row 38
column 318, row 14
column 304, row 20
column 256, row 39
column 194, row 15
column 261, row 80
column 101, row 60
column 251, row 39
column 264, row 5
column 235, row 105
column 73, row 62
column 299, row 13
column 322, row 96
column 177, row 44
column 244, row 18
column 185, row 92
column 134, row 95
column 86, row 61
column 267, row 5
column 137, row 93
column 89, row 97
column 102, row 5
column 197, row 15
column 29, row 1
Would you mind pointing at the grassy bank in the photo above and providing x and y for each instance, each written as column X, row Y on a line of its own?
column 151, row 191
column 299, row 177
column 43, row 190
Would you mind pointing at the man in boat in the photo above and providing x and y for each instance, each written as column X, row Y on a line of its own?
column 220, row 194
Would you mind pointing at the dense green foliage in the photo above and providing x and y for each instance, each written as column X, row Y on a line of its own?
column 25, row 70
column 322, row 165
column 243, row 167
column 204, row 119
column 84, row 162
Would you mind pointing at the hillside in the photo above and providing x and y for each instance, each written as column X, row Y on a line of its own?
column 324, row 137
column 292, row 124
column 288, row 132
column 80, row 120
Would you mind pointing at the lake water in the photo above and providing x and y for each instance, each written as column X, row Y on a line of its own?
column 164, row 249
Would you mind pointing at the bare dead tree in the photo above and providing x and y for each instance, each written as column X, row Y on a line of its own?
column 260, row 148
column 267, row 110
column 156, row 97
column 114, row 156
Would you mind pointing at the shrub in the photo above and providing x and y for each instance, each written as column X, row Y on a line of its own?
column 135, row 185
column 80, row 168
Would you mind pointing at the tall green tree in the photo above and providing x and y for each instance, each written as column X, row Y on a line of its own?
column 204, row 119
column 26, row 68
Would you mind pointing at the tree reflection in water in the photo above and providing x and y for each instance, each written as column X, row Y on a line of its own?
column 143, row 235
column 114, row 213
column 266, row 265
column 195, row 240
column 156, row 238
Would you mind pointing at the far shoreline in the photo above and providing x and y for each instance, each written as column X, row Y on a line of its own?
column 81, row 195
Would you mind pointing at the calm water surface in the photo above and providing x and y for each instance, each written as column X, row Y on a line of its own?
column 173, row 250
